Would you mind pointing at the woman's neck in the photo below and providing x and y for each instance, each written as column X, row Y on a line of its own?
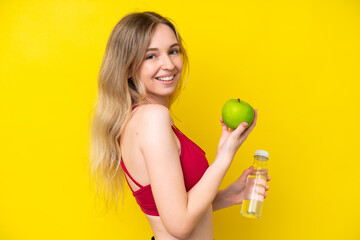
column 164, row 101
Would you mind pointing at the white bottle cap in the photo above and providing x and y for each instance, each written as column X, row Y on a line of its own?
column 262, row 153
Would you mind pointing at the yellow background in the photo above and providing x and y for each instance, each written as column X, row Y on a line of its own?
column 297, row 62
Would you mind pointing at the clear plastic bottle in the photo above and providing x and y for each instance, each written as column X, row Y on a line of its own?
column 255, row 186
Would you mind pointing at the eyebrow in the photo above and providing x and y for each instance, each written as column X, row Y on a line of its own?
column 155, row 49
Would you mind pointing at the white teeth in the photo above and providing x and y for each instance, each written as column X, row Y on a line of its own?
column 166, row 78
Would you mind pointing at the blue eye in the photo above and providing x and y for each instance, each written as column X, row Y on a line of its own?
column 174, row 51
column 150, row 57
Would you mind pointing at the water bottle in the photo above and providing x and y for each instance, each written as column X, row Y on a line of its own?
column 255, row 186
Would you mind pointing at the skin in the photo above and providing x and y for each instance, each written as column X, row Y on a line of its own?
column 151, row 153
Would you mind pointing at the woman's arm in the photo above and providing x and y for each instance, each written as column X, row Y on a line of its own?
column 179, row 210
column 235, row 193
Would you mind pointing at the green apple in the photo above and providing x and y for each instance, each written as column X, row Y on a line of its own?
column 235, row 112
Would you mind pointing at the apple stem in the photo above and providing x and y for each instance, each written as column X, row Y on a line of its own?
column 239, row 99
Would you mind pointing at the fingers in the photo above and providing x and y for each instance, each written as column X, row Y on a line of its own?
column 266, row 189
column 267, row 186
column 223, row 125
column 260, row 190
column 258, row 197
column 259, row 181
column 238, row 136
column 253, row 124
column 240, row 129
column 246, row 173
column 260, row 193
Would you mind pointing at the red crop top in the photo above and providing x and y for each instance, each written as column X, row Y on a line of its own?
column 193, row 164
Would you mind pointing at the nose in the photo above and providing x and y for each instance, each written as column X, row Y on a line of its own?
column 167, row 63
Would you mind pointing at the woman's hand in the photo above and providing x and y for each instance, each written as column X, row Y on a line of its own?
column 231, row 140
column 239, row 191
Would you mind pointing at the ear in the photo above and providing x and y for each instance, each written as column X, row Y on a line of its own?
column 130, row 74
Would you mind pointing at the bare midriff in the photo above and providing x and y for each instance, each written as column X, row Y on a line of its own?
column 203, row 230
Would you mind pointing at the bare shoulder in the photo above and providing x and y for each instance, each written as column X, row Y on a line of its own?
column 149, row 124
column 152, row 123
column 152, row 115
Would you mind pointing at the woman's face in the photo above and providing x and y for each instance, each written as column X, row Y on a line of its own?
column 162, row 65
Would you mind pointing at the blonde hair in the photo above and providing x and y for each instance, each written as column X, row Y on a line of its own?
column 117, row 94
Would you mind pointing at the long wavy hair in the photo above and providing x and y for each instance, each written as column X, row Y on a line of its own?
column 117, row 94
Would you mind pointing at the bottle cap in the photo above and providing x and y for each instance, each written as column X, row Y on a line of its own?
column 262, row 153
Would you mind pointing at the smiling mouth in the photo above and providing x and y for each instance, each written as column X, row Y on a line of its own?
column 166, row 79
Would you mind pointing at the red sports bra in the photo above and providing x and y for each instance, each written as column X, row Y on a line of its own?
column 193, row 164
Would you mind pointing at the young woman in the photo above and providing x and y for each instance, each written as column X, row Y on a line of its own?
column 133, row 134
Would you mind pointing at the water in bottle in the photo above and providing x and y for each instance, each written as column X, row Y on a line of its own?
column 255, row 186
